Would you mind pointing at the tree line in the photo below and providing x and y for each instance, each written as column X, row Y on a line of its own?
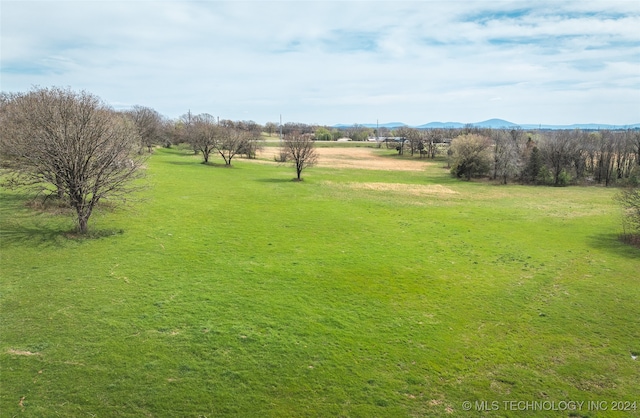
column 557, row 158
column 72, row 145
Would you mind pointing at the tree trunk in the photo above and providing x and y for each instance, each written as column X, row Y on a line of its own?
column 59, row 188
column 83, row 224
column 83, row 211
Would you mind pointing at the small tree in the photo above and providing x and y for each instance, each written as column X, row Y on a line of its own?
column 507, row 154
column 252, row 146
column 270, row 128
column 533, row 167
column 202, row 133
column 558, row 151
column 73, row 142
column 149, row 125
column 471, row 156
column 301, row 151
column 231, row 142
column 323, row 134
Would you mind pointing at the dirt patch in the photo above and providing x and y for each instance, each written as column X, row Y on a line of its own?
column 410, row 189
column 365, row 158
column 359, row 158
column 21, row 353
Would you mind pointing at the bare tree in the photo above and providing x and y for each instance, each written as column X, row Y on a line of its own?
column 271, row 127
column 432, row 137
column 413, row 136
column 625, row 154
column 149, row 123
column 629, row 199
column 301, row 151
column 558, row 150
column 249, row 126
column 73, row 142
column 202, row 133
column 252, row 144
column 357, row 132
column 230, row 143
column 301, row 128
column 634, row 138
column 605, row 157
column 507, row 153
column 169, row 133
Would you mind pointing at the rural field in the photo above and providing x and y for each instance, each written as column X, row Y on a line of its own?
column 379, row 286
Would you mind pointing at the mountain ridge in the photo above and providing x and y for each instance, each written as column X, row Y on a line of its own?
column 494, row 124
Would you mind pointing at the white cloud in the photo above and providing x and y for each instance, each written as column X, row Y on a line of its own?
column 333, row 62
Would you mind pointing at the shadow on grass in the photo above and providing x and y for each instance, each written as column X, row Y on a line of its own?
column 181, row 152
column 19, row 224
column 39, row 234
column 271, row 180
column 196, row 163
column 44, row 226
column 182, row 162
column 614, row 244
column 35, row 234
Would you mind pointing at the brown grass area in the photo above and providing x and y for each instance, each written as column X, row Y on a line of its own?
column 359, row 158
column 410, row 189
column 21, row 353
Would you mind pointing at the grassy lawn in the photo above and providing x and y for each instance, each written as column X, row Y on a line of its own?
column 237, row 292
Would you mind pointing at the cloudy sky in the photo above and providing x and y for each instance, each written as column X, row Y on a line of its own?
column 329, row 62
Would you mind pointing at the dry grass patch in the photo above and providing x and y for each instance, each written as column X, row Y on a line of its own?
column 410, row 189
column 21, row 352
column 358, row 158
column 365, row 158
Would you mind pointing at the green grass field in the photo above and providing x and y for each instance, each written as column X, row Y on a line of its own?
column 237, row 292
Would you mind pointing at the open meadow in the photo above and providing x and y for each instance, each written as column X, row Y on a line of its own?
column 379, row 286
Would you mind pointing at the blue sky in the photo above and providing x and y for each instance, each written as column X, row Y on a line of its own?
column 329, row 62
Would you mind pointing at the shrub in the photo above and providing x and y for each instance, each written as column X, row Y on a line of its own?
column 471, row 155
column 281, row 157
column 564, row 178
column 545, row 176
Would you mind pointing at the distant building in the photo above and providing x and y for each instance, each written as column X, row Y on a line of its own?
column 386, row 139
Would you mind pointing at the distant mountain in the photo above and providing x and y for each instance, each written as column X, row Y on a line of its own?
column 440, row 125
column 491, row 123
column 584, row 126
column 494, row 124
column 390, row 125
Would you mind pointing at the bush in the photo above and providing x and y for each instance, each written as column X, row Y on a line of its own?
column 545, row 176
column 633, row 180
column 564, row 178
column 281, row 157
column 471, row 155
